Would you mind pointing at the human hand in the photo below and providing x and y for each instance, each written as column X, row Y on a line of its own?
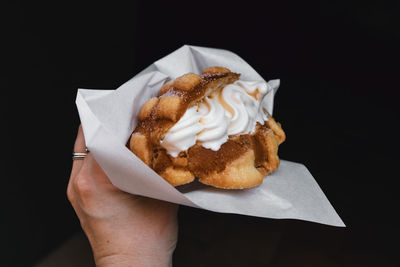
column 123, row 229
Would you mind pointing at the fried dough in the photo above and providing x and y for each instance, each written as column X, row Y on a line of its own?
column 241, row 162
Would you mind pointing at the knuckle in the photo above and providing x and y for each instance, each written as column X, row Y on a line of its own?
column 82, row 185
column 70, row 193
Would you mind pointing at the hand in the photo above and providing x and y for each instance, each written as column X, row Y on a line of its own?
column 123, row 229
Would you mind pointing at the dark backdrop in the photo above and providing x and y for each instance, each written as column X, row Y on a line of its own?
column 338, row 103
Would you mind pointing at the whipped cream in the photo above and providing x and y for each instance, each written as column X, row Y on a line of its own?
column 235, row 109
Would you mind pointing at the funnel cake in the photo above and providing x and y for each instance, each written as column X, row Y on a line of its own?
column 238, row 160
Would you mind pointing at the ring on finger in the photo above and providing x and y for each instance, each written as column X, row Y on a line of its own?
column 80, row 155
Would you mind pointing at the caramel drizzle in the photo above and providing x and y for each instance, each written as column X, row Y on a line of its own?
column 225, row 105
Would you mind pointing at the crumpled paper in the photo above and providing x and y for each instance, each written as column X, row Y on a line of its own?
column 108, row 118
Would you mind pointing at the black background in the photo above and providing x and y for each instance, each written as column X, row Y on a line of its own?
column 338, row 103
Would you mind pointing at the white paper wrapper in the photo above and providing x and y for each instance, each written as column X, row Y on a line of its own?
column 108, row 118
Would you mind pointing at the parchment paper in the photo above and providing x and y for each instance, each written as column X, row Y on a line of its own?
column 108, row 118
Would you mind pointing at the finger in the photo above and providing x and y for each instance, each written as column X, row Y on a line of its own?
column 98, row 176
column 79, row 146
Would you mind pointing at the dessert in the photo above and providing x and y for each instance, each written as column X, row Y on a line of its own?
column 213, row 127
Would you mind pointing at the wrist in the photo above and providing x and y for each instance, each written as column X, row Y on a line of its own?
column 134, row 259
column 132, row 250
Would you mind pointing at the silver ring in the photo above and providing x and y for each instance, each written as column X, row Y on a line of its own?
column 80, row 155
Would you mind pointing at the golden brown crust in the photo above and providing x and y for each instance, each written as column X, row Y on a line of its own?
column 147, row 108
column 269, row 142
column 165, row 88
column 177, row 176
column 241, row 162
column 168, row 108
column 140, row 146
column 215, row 70
column 238, row 174
column 277, row 129
column 187, row 81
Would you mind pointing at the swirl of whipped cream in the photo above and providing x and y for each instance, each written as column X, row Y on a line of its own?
column 245, row 102
column 237, row 101
column 215, row 123
column 182, row 135
column 234, row 110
